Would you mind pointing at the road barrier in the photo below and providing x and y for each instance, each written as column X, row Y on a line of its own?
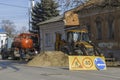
column 87, row 63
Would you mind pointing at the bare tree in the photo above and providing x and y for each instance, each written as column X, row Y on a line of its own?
column 8, row 26
column 69, row 4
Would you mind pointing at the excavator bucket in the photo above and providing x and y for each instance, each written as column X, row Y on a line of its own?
column 71, row 19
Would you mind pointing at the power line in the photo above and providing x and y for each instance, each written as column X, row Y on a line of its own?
column 13, row 5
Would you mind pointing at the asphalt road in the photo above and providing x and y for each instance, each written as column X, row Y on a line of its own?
column 12, row 70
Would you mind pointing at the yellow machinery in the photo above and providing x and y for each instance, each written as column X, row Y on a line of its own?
column 83, row 53
column 77, row 41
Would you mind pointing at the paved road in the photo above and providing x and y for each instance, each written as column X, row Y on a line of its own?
column 12, row 70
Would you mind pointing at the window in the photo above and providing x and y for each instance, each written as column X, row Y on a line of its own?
column 99, row 28
column 48, row 39
column 89, row 30
column 110, row 27
column 69, row 37
column 85, row 37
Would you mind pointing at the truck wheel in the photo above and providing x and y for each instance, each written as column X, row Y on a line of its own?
column 3, row 56
column 12, row 56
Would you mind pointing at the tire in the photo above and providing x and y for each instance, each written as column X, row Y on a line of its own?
column 3, row 56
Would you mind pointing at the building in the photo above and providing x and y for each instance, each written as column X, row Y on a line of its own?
column 48, row 30
column 3, row 37
column 102, row 22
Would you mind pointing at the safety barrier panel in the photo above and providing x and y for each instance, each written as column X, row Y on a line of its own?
column 87, row 63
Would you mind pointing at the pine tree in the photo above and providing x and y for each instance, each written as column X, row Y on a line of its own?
column 36, row 15
column 44, row 10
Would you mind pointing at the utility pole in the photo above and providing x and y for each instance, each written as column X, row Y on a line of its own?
column 31, row 6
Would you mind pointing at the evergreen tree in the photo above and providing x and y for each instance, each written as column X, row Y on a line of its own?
column 44, row 10
column 36, row 15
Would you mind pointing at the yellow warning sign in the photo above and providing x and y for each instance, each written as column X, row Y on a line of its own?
column 76, row 63
column 86, row 63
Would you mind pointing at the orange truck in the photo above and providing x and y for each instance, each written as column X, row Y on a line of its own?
column 24, row 46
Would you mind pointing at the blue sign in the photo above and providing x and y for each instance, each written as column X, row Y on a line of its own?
column 100, row 63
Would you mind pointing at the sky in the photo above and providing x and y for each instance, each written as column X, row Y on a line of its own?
column 18, row 13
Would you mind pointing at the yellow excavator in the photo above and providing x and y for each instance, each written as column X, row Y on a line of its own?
column 77, row 43
column 77, row 40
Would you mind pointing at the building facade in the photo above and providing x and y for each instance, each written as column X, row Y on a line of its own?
column 48, row 30
column 102, row 22
column 3, row 38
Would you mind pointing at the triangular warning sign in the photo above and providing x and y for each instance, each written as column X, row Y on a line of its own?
column 76, row 63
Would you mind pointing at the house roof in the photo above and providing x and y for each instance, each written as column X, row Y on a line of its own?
column 93, row 3
column 54, row 19
column 2, row 30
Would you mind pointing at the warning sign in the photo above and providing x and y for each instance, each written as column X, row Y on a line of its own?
column 86, row 63
column 76, row 63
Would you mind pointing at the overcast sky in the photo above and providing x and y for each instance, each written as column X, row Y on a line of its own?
column 15, row 11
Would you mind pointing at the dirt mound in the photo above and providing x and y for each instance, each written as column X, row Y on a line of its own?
column 49, row 58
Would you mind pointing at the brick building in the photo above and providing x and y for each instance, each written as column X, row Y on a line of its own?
column 102, row 22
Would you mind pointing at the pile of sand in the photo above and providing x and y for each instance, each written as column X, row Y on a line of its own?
column 50, row 58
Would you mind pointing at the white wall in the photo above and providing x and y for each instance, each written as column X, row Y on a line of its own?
column 3, row 38
column 50, row 29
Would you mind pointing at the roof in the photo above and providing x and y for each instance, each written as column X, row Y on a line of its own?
column 87, row 4
column 54, row 19
column 94, row 3
column 82, row 30
column 2, row 30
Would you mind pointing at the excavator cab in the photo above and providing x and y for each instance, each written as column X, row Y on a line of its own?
column 77, row 35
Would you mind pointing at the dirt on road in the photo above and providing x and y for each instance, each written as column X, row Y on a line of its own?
column 50, row 58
